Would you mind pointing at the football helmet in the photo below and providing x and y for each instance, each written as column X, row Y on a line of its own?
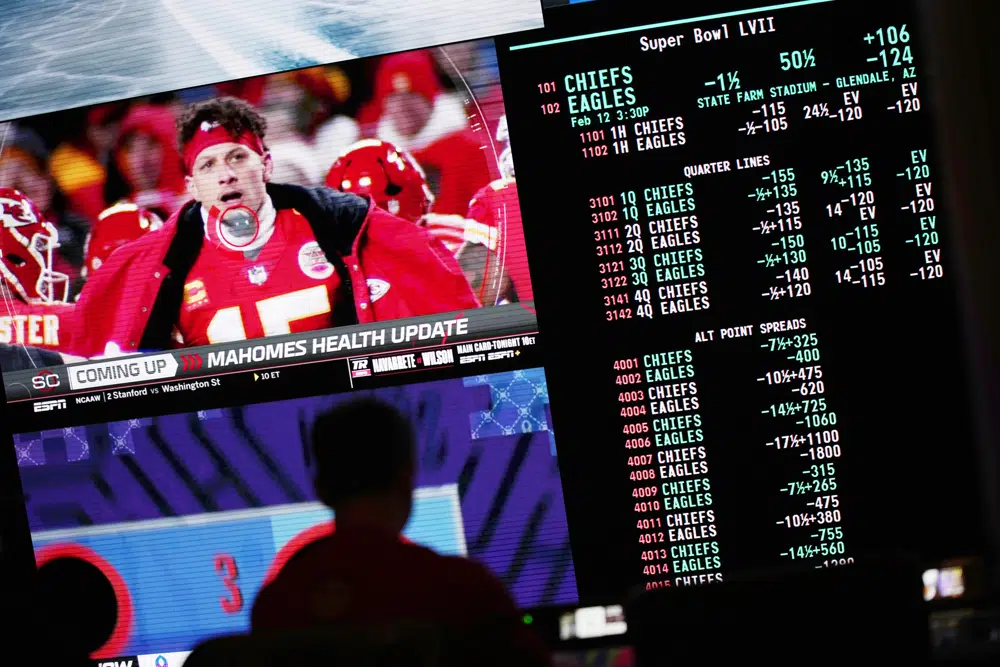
column 391, row 177
column 115, row 227
column 27, row 244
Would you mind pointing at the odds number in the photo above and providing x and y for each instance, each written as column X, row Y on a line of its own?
column 275, row 313
column 225, row 567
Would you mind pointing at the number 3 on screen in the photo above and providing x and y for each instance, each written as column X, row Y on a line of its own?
column 225, row 567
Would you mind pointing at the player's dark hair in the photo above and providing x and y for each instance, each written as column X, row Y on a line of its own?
column 233, row 114
column 361, row 448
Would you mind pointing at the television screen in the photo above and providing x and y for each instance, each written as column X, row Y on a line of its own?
column 190, row 514
column 397, row 266
column 710, row 248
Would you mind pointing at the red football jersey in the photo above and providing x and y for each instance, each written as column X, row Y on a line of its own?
column 460, row 163
column 45, row 325
column 497, row 205
column 290, row 287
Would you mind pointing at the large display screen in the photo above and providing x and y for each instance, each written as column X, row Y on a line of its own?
column 420, row 132
column 756, row 270
column 740, row 315
column 147, row 435
column 190, row 514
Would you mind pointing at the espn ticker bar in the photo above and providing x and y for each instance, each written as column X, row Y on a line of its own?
column 264, row 353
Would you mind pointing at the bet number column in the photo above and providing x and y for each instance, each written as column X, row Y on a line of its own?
column 669, row 464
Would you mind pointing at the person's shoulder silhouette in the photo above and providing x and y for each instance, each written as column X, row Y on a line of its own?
column 366, row 571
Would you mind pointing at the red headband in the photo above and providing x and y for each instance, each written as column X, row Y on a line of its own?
column 211, row 134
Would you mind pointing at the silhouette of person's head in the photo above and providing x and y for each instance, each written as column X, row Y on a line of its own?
column 364, row 452
column 77, row 605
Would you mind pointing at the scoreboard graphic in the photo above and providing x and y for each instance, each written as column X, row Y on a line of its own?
column 179, row 581
column 188, row 513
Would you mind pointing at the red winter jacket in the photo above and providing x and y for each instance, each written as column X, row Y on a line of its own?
column 134, row 299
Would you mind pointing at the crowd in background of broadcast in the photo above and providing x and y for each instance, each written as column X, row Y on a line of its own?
column 442, row 105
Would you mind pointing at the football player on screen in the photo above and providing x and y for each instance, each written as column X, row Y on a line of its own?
column 497, row 207
column 33, row 297
column 248, row 258
column 391, row 177
column 488, row 240
column 115, row 227
column 396, row 182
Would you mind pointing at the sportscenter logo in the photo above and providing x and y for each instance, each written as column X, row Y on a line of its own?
column 45, row 381
column 48, row 406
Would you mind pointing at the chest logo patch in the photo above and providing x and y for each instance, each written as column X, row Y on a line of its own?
column 377, row 289
column 313, row 262
column 257, row 275
column 195, row 294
